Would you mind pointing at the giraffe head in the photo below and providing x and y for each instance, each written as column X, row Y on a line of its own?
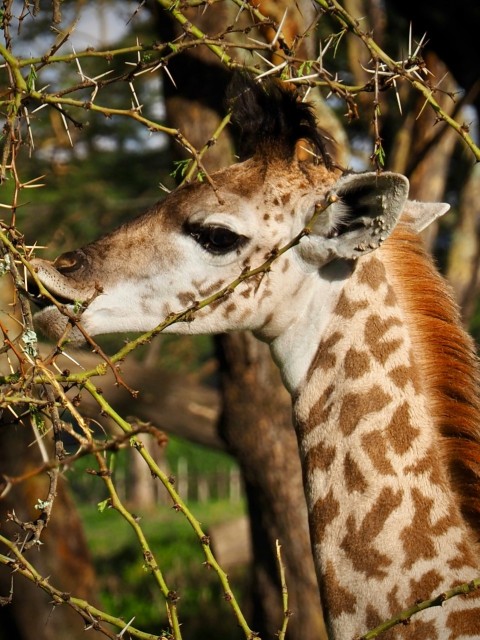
column 199, row 239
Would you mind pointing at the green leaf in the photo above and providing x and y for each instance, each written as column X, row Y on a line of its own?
column 101, row 506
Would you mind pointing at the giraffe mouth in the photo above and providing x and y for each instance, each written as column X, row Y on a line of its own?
column 41, row 301
column 49, row 319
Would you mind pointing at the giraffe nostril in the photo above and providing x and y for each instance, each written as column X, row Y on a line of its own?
column 69, row 261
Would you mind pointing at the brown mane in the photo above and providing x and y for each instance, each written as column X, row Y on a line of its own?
column 447, row 357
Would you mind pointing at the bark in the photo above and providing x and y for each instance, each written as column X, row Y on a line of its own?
column 463, row 268
column 256, row 422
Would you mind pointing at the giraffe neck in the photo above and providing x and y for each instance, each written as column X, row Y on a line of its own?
column 385, row 525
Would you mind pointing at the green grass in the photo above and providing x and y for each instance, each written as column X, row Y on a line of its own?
column 127, row 589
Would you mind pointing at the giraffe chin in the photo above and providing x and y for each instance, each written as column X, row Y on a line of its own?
column 52, row 323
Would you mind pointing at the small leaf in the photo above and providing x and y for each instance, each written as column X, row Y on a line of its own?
column 101, row 506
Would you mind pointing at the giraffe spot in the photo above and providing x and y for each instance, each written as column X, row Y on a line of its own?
column 391, row 297
column 357, row 541
column 286, row 198
column 354, row 479
column 464, row 623
column 425, row 587
column 286, row 265
column 356, row 364
column 418, row 538
column 325, row 358
column 372, row 617
column 186, row 298
column 395, row 606
column 266, row 216
column 324, row 512
column 429, row 464
column 279, row 218
column 373, row 274
column 319, row 412
column 356, row 406
column 375, row 330
column 400, row 431
column 375, row 446
column 464, row 557
column 340, row 600
column 345, row 308
column 211, row 289
column 320, row 456
column 417, row 629
column 402, row 375
column 229, row 309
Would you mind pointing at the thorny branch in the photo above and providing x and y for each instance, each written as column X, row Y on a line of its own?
column 32, row 387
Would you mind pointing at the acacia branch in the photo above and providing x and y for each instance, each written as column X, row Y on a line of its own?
column 334, row 8
column 92, row 615
column 178, row 505
column 407, row 614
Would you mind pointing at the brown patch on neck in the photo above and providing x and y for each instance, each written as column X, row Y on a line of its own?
column 365, row 558
column 375, row 330
column 446, row 357
column 346, row 308
column 354, row 478
column 319, row 413
column 373, row 274
column 400, row 432
column 466, row 622
column 340, row 600
column 325, row 357
column 418, row 538
column 357, row 406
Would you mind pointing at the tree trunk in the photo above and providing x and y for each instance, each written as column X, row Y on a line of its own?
column 256, row 423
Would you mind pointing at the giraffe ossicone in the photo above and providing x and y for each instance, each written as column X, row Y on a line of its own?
column 383, row 378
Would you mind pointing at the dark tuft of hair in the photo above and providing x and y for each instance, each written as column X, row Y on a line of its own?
column 270, row 119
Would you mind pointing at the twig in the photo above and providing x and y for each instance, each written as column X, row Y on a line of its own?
column 334, row 8
column 286, row 612
column 178, row 504
column 19, row 564
column 406, row 615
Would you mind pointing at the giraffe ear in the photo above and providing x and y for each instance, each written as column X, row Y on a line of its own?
column 421, row 214
column 365, row 212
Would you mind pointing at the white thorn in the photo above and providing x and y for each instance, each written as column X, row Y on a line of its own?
column 309, row 77
column 264, row 59
column 125, row 627
column 270, row 71
column 242, row 7
column 80, row 71
column 398, row 96
column 420, row 45
column 170, row 76
column 65, row 124
column 279, row 29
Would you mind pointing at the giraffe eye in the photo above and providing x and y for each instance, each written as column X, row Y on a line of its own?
column 216, row 239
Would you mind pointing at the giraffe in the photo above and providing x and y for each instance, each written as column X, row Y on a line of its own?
column 383, row 379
